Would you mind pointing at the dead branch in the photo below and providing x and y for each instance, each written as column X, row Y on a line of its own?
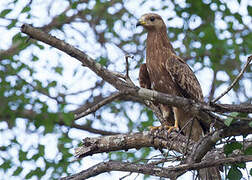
column 138, row 140
column 235, row 81
column 70, row 50
column 98, row 105
column 168, row 172
column 160, row 140
column 173, row 141
column 121, row 85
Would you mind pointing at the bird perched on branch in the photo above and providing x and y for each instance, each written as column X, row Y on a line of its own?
column 166, row 72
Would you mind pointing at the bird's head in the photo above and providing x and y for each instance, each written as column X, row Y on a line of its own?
column 151, row 21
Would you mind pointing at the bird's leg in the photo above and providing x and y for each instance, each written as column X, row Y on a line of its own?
column 176, row 126
column 166, row 122
column 171, row 128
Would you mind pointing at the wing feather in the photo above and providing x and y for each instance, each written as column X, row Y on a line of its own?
column 183, row 76
column 144, row 79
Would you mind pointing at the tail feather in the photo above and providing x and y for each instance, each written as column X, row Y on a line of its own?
column 211, row 173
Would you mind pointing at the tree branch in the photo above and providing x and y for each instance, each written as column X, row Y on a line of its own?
column 168, row 172
column 161, row 139
column 98, row 105
column 235, row 81
column 144, row 94
column 138, row 140
column 70, row 50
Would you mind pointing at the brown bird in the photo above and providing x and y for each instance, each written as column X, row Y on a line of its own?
column 166, row 72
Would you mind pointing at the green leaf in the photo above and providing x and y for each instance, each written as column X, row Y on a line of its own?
column 250, row 172
column 250, row 10
column 68, row 118
column 6, row 165
column 12, row 24
column 40, row 46
column 17, row 171
column 74, row 5
column 234, row 173
column 228, row 121
column 103, row 61
column 231, row 120
column 36, row 156
column 250, row 124
column 41, row 149
column 5, row 12
column 22, row 155
column 26, row 9
column 30, row 174
column 62, row 17
column 49, row 125
column 52, row 84
column 229, row 148
column 241, row 165
column 35, row 58
column 238, row 17
column 58, row 70
column 248, row 151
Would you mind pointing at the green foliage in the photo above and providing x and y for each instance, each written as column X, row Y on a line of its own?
column 230, row 147
column 17, row 171
column 26, row 9
column 36, row 89
column 5, row 12
column 248, row 151
column 232, row 119
column 234, row 173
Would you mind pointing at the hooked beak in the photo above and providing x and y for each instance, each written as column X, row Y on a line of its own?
column 140, row 22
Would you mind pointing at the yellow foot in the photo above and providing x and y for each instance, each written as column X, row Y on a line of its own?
column 154, row 128
column 169, row 128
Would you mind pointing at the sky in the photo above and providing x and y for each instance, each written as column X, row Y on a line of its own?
column 89, row 46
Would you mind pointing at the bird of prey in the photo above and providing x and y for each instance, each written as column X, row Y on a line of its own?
column 166, row 72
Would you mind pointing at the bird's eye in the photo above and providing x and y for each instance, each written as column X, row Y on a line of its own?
column 152, row 18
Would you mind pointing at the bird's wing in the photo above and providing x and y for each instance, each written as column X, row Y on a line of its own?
column 184, row 78
column 144, row 78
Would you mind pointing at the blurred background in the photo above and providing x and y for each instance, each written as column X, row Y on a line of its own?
column 41, row 87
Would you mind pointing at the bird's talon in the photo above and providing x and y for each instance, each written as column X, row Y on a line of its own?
column 155, row 128
column 171, row 128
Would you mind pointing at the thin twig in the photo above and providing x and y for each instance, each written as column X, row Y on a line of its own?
column 98, row 105
column 167, row 172
column 127, row 175
column 189, row 136
column 235, row 81
column 117, row 74
column 127, row 78
column 40, row 90
column 155, row 110
column 213, row 87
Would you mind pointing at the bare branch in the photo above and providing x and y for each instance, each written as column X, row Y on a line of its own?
column 56, row 23
column 98, row 105
column 213, row 87
column 30, row 115
column 133, row 140
column 87, row 127
column 70, row 50
column 108, row 76
column 168, row 172
column 235, row 81
column 162, row 139
column 159, row 140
